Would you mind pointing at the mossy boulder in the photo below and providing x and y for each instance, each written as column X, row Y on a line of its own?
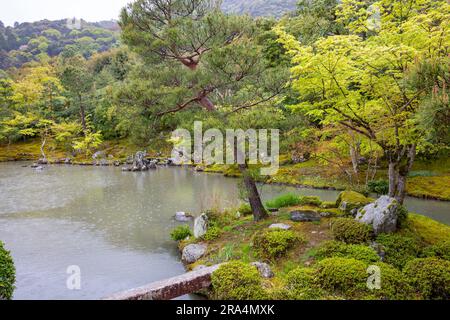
column 350, row 201
column 430, row 277
column 350, row 231
column 272, row 243
column 7, row 274
column 237, row 281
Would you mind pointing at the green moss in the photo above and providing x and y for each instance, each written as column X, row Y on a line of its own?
column 429, row 230
column 328, row 205
column 429, row 187
column 342, row 276
column 350, row 231
column 7, row 274
column 245, row 209
column 309, row 200
column 352, row 200
column 272, row 243
column 398, row 249
column 300, row 285
column 438, row 250
column 212, row 234
column 331, row 249
column 430, row 277
column 237, row 281
column 286, row 200
column 394, row 284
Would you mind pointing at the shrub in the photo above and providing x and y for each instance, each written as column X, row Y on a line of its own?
column 430, row 277
column 394, row 284
column 273, row 243
column 283, row 201
column 7, row 274
column 245, row 209
column 300, row 285
column 363, row 253
column 313, row 201
column 350, row 231
column 398, row 249
column 380, row 187
column 237, row 281
column 180, row 233
column 439, row 250
column 212, row 234
column 342, row 275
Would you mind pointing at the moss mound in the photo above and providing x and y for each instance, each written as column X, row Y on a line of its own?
column 342, row 276
column 398, row 249
column 301, row 285
column 430, row 277
column 330, row 249
column 438, row 250
column 272, row 243
column 350, row 231
column 7, row 274
column 394, row 284
column 237, row 281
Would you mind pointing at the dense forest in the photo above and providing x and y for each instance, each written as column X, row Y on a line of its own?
column 319, row 74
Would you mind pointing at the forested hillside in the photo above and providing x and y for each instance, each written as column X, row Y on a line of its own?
column 27, row 42
column 259, row 8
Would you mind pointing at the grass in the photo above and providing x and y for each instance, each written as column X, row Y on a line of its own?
column 286, row 200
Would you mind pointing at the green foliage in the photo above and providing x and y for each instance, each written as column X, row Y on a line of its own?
column 398, row 249
column 7, row 274
column 350, row 231
column 439, row 250
column 310, row 200
column 180, row 233
column 213, row 233
column 300, row 285
column 245, row 209
column 259, row 8
column 286, row 200
column 237, row 281
column 332, row 249
column 430, row 277
column 342, row 275
column 88, row 143
column 394, row 284
column 380, row 187
column 270, row 244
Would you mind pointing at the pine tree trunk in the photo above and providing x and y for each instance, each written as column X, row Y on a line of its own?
column 259, row 212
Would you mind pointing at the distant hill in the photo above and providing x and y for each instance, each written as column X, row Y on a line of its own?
column 26, row 41
column 259, row 8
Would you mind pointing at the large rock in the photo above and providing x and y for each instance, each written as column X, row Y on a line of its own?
column 193, row 252
column 304, row 216
column 382, row 215
column 264, row 270
column 282, row 226
column 183, row 217
column 201, row 226
column 350, row 201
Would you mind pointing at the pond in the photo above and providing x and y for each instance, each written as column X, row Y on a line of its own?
column 114, row 226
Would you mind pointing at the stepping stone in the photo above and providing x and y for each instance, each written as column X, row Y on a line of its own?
column 282, row 226
column 304, row 216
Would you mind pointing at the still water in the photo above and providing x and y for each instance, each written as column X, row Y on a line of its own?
column 114, row 226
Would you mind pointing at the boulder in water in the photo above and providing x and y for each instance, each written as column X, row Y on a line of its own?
column 183, row 217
